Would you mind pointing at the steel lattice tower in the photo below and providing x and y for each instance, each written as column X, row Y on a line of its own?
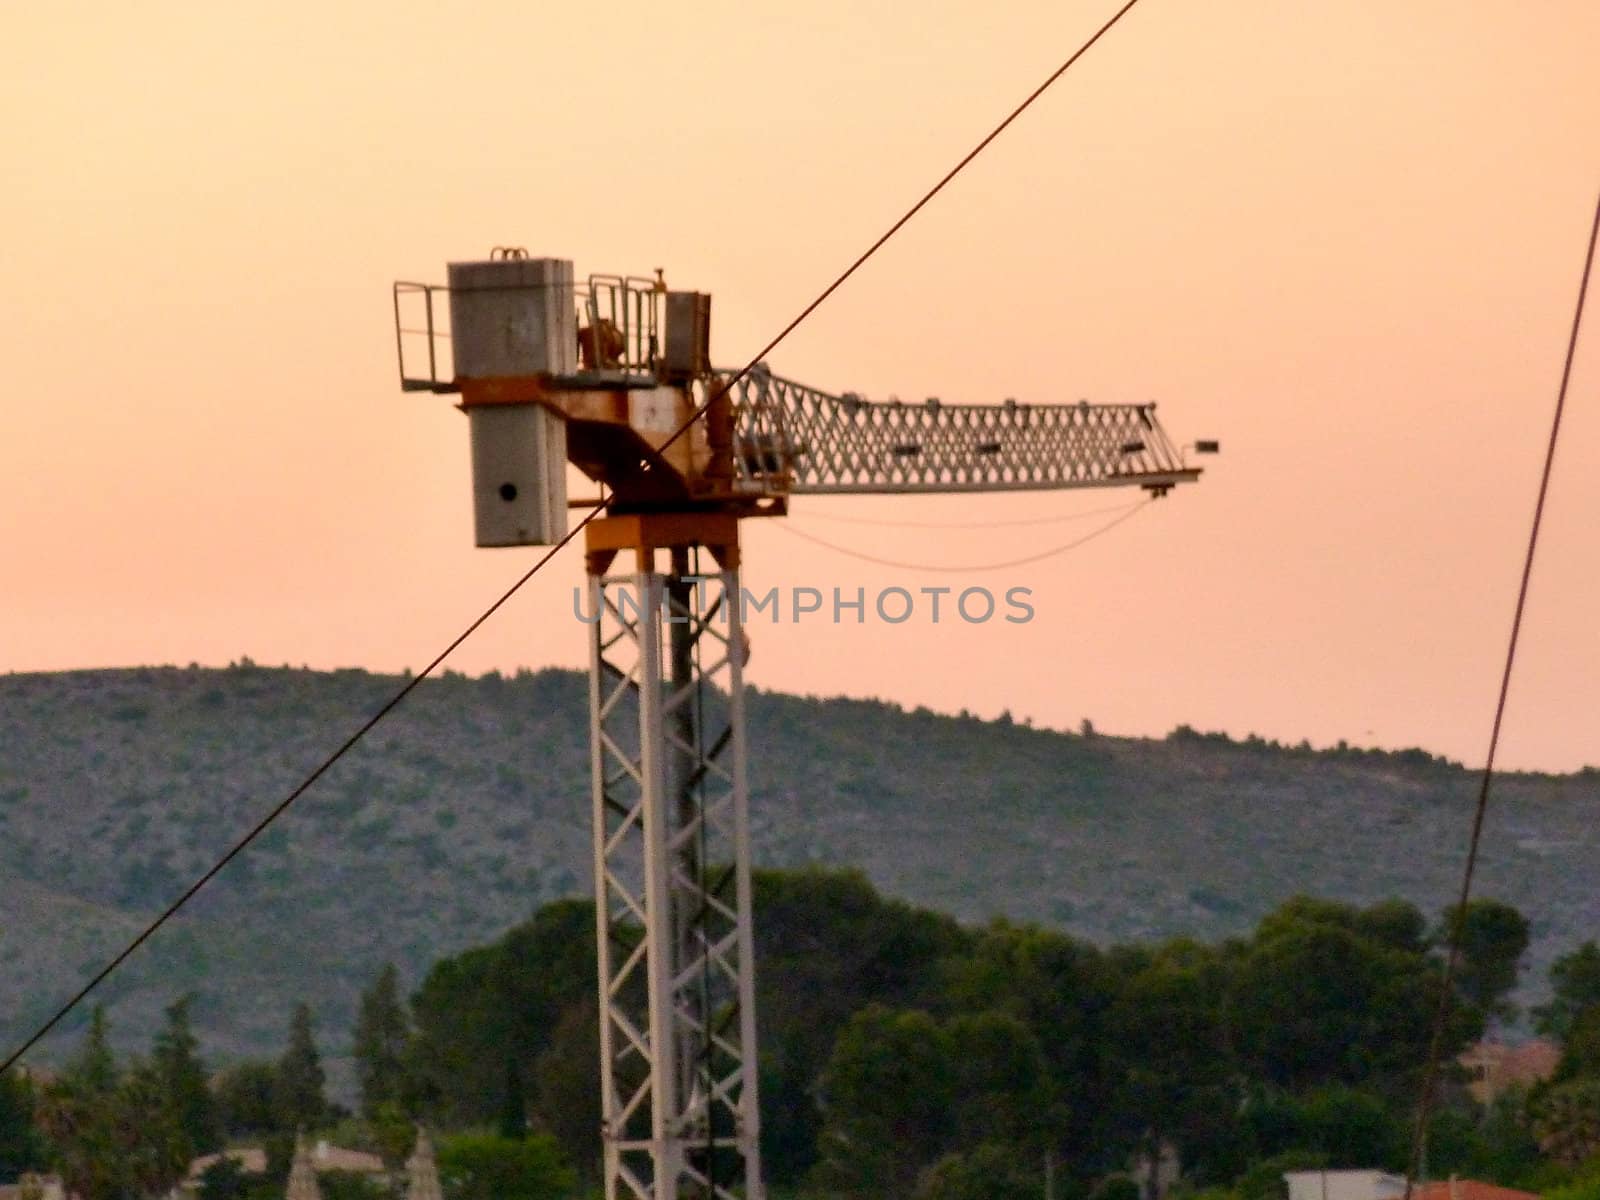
column 672, row 871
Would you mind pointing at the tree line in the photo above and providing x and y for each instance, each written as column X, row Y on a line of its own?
column 906, row 1056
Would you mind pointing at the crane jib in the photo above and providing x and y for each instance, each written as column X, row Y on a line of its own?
column 795, row 438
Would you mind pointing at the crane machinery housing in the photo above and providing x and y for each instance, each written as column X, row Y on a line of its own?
column 605, row 374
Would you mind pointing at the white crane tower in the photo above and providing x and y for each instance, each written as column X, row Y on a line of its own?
column 603, row 374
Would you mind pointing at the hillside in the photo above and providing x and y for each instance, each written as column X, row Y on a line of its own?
column 470, row 806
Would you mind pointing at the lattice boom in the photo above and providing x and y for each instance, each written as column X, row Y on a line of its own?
column 788, row 436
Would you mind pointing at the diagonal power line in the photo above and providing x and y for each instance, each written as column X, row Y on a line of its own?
column 1430, row 1075
column 394, row 701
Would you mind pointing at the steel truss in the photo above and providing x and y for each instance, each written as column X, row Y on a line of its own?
column 672, row 884
column 790, row 437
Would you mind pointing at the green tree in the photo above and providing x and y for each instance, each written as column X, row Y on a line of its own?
column 1064, row 991
column 382, row 1040
column 1314, row 1001
column 121, row 1144
column 1580, row 1057
column 224, row 1180
column 990, row 1171
column 93, row 1069
column 20, row 1147
column 829, row 944
column 1508, row 1150
column 888, row 1097
column 246, row 1098
column 567, row 1101
column 998, row 1082
column 394, row 1135
column 1575, row 986
column 299, row 1080
column 1301, row 1003
column 1585, row 1187
column 182, row 1076
column 1396, row 923
column 498, row 1003
column 513, row 1120
column 1566, row 1120
column 1348, row 1127
column 1263, row 1180
column 279, row 1149
column 1335, row 1125
column 486, row 1167
column 1115, row 1187
column 1177, row 1069
column 1497, row 1144
column 1494, row 937
column 350, row 1185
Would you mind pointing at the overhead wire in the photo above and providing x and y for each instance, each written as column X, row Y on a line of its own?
column 1127, row 512
column 1442, row 1011
column 394, row 701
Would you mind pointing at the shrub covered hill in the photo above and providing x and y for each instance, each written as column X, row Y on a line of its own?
column 469, row 807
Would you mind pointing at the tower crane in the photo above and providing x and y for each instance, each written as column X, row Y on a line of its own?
column 603, row 374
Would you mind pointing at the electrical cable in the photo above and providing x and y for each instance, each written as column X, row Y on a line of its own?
column 260, row 827
column 1058, row 519
column 1459, row 919
column 394, row 701
column 1016, row 112
column 1127, row 512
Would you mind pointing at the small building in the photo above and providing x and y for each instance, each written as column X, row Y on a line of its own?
column 1492, row 1067
column 1157, row 1173
column 252, row 1160
column 1345, row 1185
column 1468, row 1189
column 327, row 1157
column 33, row 1187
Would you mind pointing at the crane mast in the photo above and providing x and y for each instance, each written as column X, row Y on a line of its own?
column 604, row 375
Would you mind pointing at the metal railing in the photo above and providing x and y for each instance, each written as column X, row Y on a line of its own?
column 618, row 329
column 629, row 305
column 415, row 317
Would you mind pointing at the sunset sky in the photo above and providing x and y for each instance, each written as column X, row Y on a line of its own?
column 1344, row 237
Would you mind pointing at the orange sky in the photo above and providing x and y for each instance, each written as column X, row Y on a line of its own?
column 1343, row 237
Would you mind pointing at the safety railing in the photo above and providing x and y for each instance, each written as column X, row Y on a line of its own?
column 623, row 316
column 422, row 337
column 618, row 331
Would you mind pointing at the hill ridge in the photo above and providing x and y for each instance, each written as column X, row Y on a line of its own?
column 469, row 806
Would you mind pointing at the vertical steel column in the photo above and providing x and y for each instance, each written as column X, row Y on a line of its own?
column 672, row 886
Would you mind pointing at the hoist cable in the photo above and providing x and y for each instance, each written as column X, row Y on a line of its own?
column 1127, row 512
column 1055, row 519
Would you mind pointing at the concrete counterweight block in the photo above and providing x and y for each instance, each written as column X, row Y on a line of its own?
column 514, row 319
column 519, row 475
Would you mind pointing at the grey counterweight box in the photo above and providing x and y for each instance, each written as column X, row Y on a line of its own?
column 515, row 318
column 519, row 475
